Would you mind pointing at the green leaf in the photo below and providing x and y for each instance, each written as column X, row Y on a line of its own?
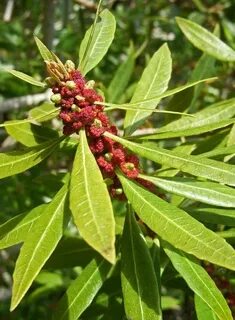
column 206, row 192
column 44, row 51
column 177, row 227
column 214, row 114
column 205, row 40
column 70, row 252
column 139, row 282
column 201, row 167
column 44, row 112
column 27, row 78
column 82, row 290
column 121, row 78
column 202, row 310
column 187, row 132
column 90, row 202
column 90, row 54
column 153, row 82
column 15, row 230
column 30, row 134
column 199, row 281
column 39, row 245
column 15, row 162
column 213, row 215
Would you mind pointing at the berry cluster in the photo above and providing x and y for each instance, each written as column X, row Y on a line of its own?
column 222, row 282
column 77, row 100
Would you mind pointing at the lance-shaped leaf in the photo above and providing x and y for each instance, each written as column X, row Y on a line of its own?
column 30, row 134
column 177, row 227
column 206, row 192
column 211, row 115
column 26, row 78
column 201, row 167
column 153, row 82
column 15, row 162
column 199, row 281
column 188, row 132
column 90, row 202
column 202, row 310
column 39, row 245
column 213, row 215
column 82, row 290
column 44, row 51
column 205, row 40
column 121, row 78
column 139, row 281
column 94, row 46
column 16, row 229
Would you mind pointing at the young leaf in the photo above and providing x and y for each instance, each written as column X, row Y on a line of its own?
column 202, row 310
column 176, row 227
column 199, row 281
column 82, row 290
column 39, row 245
column 30, row 134
column 27, row 78
column 153, row 83
column 15, row 162
column 206, row 192
column 44, row 51
column 16, row 229
column 201, row 167
column 205, row 40
column 90, row 202
column 100, row 42
column 139, row 282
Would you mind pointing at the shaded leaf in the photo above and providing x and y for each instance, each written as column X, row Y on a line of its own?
column 205, row 40
column 153, row 82
column 178, row 228
column 91, row 53
column 90, row 202
column 139, row 282
column 82, row 290
column 39, row 245
column 213, row 215
column 199, row 281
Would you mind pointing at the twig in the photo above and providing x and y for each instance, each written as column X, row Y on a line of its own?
column 8, row 10
column 87, row 4
column 24, row 101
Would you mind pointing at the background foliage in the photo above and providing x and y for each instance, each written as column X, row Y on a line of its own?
column 142, row 27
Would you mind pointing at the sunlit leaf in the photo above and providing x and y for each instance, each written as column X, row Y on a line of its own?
column 27, row 78
column 205, row 40
column 39, row 245
column 92, row 51
column 153, row 83
column 178, row 228
column 82, row 290
column 199, row 281
column 90, row 202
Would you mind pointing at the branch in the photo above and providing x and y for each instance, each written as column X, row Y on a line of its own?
column 8, row 10
column 87, row 4
column 24, row 101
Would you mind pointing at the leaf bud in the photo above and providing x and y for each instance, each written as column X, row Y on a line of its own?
column 56, row 98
